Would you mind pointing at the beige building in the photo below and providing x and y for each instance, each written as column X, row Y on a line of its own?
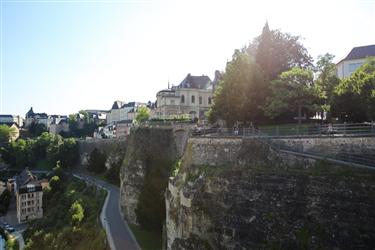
column 122, row 111
column 354, row 60
column 193, row 97
column 29, row 196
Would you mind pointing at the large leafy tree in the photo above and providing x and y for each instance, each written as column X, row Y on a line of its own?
column 241, row 93
column 6, row 133
column 326, row 80
column 355, row 95
column 245, row 87
column 293, row 92
column 276, row 52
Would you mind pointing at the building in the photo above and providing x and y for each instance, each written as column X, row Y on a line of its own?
column 96, row 115
column 193, row 97
column 354, row 60
column 11, row 119
column 29, row 196
column 58, row 126
column 122, row 129
column 122, row 111
column 41, row 118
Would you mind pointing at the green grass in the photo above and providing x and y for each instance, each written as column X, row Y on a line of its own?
column 146, row 239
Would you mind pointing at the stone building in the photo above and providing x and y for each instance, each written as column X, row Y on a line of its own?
column 29, row 196
column 193, row 97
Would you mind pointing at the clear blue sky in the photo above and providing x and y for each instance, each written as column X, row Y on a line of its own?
column 61, row 56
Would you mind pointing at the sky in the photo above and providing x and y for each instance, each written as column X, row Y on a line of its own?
column 62, row 56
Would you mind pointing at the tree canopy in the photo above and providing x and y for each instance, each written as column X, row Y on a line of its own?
column 276, row 52
column 293, row 91
column 326, row 80
column 242, row 91
column 355, row 95
column 143, row 114
column 246, row 84
column 6, row 133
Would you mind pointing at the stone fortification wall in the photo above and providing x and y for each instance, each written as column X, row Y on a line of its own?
column 114, row 149
column 239, row 194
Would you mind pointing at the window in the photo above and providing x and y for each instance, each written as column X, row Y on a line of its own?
column 200, row 100
column 182, row 99
column 209, row 100
column 192, row 99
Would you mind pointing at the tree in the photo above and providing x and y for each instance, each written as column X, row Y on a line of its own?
column 241, row 92
column 6, row 133
column 36, row 129
column 326, row 81
column 55, row 184
column 76, row 213
column 68, row 153
column 143, row 114
column 358, row 90
column 276, row 52
column 5, row 201
column 292, row 92
column 97, row 161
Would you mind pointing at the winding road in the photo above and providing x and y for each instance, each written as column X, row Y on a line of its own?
column 118, row 233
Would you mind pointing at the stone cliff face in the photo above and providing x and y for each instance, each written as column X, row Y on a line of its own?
column 239, row 194
column 148, row 150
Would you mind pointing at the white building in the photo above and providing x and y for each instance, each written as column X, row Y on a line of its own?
column 354, row 60
column 11, row 119
column 193, row 97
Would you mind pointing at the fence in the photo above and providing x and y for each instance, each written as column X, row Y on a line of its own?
column 267, row 136
column 350, row 129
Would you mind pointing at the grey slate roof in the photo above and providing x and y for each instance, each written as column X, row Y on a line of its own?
column 6, row 116
column 360, row 52
column 195, row 82
column 117, row 105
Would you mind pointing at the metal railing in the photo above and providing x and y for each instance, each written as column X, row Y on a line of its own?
column 350, row 129
column 269, row 137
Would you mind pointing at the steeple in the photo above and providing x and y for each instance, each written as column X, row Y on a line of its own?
column 30, row 113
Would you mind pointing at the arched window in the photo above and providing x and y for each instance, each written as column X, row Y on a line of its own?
column 200, row 100
column 209, row 100
column 192, row 99
column 182, row 99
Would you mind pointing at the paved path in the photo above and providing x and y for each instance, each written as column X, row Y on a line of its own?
column 118, row 233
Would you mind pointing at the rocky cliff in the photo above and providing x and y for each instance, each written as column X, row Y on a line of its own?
column 240, row 194
column 150, row 156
